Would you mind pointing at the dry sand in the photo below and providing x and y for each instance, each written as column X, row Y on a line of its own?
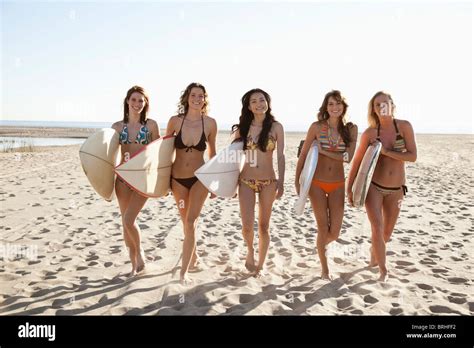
column 63, row 249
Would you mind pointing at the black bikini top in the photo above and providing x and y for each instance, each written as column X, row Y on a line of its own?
column 200, row 146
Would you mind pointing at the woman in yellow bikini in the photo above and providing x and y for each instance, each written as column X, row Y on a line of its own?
column 388, row 188
column 195, row 131
column 136, row 130
column 336, row 141
column 261, row 134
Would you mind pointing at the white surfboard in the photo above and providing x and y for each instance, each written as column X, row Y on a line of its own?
column 306, row 177
column 220, row 175
column 99, row 155
column 360, row 188
column 148, row 171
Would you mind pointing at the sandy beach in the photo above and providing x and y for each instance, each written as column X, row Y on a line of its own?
column 63, row 250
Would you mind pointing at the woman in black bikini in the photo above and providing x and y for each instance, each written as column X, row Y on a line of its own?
column 192, row 125
column 387, row 189
column 136, row 130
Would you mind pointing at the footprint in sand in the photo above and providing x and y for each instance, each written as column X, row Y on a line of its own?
column 357, row 312
column 456, row 280
column 370, row 299
column 457, row 300
column 425, row 286
column 442, row 310
column 396, row 311
column 344, row 303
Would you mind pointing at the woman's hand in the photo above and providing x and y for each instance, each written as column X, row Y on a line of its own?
column 280, row 189
column 297, row 187
column 320, row 149
column 350, row 197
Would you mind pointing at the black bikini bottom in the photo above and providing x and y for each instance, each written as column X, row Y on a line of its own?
column 186, row 182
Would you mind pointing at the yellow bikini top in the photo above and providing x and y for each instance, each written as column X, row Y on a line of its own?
column 252, row 145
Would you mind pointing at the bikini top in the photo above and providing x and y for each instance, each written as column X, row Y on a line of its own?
column 399, row 145
column 143, row 135
column 200, row 146
column 327, row 142
column 252, row 145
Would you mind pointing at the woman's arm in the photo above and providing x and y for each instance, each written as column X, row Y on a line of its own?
column 310, row 137
column 171, row 126
column 410, row 143
column 117, row 126
column 212, row 138
column 155, row 130
column 280, row 139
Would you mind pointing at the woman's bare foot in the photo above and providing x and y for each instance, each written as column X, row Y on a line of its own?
column 258, row 273
column 325, row 276
column 373, row 262
column 185, row 280
column 194, row 261
column 250, row 263
column 383, row 276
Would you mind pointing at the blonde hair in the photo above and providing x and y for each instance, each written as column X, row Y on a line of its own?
column 372, row 117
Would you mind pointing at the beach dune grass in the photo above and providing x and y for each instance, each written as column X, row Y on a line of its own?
column 21, row 145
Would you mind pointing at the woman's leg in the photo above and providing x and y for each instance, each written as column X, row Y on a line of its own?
column 134, row 207
column 247, row 213
column 373, row 206
column 391, row 209
column 123, row 194
column 336, row 213
column 319, row 202
column 197, row 196
column 181, row 195
column 265, row 203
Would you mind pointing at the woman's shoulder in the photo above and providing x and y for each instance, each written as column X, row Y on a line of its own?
column 209, row 119
column 404, row 124
column 277, row 126
column 174, row 118
column 151, row 122
column 352, row 127
column 117, row 125
column 369, row 132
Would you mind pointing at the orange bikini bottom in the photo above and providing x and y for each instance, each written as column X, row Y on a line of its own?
column 328, row 187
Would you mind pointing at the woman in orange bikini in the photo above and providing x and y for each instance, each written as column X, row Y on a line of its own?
column 136, row 130
column 192, row 125
column 261, row 134
column 387, row 189
column 336, row 141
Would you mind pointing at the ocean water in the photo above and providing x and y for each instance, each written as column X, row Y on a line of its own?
column 16, row 142
column 55, row 124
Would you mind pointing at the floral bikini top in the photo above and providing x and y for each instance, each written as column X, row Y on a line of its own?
column 252, row 145
column 143, row 135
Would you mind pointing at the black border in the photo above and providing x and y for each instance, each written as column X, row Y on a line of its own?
column 291, row 331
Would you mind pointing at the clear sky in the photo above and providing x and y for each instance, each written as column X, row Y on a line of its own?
column 74, row 61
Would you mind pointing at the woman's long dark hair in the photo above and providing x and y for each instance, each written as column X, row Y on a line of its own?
column 342, row 127
column 246, row 117
column 143, row 114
